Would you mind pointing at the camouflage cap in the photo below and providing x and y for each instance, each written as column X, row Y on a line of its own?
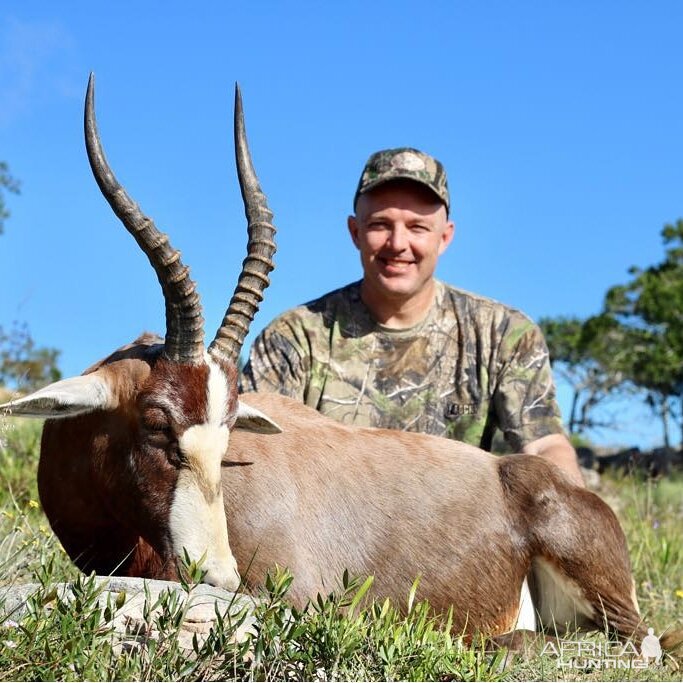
column 408, row 163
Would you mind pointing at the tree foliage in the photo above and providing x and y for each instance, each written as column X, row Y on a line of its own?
column 23, row 365
column 650, row 307
column 7, row 184
column 581, row 353
column 635, row 344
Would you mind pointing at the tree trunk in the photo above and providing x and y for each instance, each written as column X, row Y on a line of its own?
column 664, row 405
column 572, row 412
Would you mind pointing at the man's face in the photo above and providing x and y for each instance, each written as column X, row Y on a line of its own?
column 400, row 229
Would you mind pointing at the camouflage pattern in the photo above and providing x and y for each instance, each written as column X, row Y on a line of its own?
column 404, row 162
column 472, row 367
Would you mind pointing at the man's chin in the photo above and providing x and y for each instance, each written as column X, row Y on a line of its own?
column 397, row 286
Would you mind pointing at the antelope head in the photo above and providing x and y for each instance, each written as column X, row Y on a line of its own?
column 148, row 427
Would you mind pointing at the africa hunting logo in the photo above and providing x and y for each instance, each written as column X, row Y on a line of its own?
column 588, row 655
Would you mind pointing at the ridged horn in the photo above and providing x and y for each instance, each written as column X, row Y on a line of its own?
column 260, row 249
column 184, row 323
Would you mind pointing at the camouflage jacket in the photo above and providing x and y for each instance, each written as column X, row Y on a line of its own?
column 472, row 367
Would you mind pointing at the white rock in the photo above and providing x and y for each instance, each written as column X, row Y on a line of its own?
column 130, row 628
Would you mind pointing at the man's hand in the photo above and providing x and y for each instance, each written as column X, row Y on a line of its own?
column 557, row 449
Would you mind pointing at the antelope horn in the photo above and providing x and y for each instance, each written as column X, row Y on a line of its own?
column 260, row 249
column 184, row 323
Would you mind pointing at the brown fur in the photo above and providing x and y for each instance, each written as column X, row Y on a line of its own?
column 322, row 497
column 106, row 480
column 578, row 533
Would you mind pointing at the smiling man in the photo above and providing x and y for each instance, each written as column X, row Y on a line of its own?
column 402, row 350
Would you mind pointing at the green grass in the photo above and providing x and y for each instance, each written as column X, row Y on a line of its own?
column 338, row 637
column 26, row 540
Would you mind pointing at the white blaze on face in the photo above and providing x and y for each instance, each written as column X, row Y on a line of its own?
column 197, row 518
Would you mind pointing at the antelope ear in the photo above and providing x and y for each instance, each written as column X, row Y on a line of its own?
column 252, row 420
column 66, row 398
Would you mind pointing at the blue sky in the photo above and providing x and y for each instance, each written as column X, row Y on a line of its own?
column 559, row 123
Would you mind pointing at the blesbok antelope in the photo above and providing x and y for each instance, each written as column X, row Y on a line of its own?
column 151, row 452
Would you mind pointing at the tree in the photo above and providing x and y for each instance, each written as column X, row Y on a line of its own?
column 582, row 353
column 23, row 365
column 650, row 307
column 9, row 184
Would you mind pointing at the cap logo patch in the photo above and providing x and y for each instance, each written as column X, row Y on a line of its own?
column 407, row 161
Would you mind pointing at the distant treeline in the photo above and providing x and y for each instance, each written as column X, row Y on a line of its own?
column 634, row 346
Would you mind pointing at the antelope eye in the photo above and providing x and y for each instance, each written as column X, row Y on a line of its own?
column 156, row 420
column 174, row 455
column 158, row 426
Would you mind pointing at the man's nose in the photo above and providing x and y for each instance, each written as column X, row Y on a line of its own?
column 397, row 239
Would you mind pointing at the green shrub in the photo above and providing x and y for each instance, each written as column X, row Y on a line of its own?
column 337, row 637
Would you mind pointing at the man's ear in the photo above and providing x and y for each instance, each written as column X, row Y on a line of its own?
column 353, row 230
column 447, row 236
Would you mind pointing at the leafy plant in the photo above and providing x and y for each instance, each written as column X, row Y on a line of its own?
column 23, row 365
column 7, row 184
column 650, row 308
column 343, row 635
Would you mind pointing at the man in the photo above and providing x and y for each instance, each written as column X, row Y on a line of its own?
column 402, row 350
